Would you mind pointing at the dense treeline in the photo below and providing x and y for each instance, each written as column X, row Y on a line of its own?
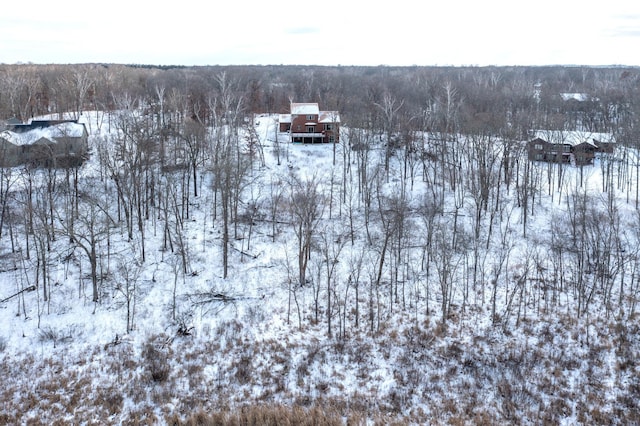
column 458, row 130
column 164, row 133
column 490, row 98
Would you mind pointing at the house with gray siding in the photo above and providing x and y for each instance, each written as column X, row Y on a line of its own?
column 44, row 143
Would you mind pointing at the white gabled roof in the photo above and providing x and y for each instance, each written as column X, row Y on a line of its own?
column 304, row 109
column 310, row 108
column 573, row 137
column 69, row 129
column 580, row 97
column 284, row 118
column 27, row 138
column 329, row 117
column 50, row 133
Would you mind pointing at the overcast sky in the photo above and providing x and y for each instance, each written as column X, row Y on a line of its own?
column 327, row 32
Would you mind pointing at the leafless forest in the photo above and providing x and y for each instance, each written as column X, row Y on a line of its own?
column 422, row 270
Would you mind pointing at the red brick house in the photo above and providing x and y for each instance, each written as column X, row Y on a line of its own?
column 307, row 124
column 579, row 148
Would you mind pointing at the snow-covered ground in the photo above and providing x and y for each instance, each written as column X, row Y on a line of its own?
column 257, row 337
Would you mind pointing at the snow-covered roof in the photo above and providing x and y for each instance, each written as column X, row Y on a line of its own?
column 27, row 138
column 50, row 133
column 310, row 109
column 573, row 137
column 13, row 121
column 580, row 97
column 329, row 117
column 284, row 118
column 323, row 117
column 305, row 109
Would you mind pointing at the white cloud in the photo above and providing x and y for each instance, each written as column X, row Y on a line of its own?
column 400, row 33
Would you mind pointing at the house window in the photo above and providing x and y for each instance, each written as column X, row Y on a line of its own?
column 328, row 126
column 298, row 127
column 311, row 117
column 332, row 139
column 311, row 129
column 538, row 146
column 539, row 157
column 566, row 148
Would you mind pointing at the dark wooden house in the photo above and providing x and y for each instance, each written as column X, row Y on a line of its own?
column 44, row 143
column 571, row 147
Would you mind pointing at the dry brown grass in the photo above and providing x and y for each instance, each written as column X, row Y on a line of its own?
column 447, row 379
column 264, row 415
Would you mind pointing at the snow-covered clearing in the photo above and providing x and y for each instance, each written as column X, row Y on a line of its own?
column 415, row 331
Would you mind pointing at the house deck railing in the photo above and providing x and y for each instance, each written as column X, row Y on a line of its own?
column 307, row 135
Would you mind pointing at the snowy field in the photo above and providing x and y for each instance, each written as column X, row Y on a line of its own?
column 389, row 326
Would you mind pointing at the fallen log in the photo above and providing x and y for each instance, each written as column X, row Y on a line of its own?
column 244, row 253
column 30, row 288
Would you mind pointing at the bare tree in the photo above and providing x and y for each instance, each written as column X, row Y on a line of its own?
column 126, row 284
column 389, row 108
column 20, row 86
column 91, row 227
column 194, row 137
column 307, row 205
column 131, row 160
column 331, row 243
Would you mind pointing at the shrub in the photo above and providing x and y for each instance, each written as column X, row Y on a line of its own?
column 49, row 334
column 156, row 363
column 244, row 370
column 266, row 415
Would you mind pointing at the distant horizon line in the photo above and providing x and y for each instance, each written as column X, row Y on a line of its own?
column 177, row 65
